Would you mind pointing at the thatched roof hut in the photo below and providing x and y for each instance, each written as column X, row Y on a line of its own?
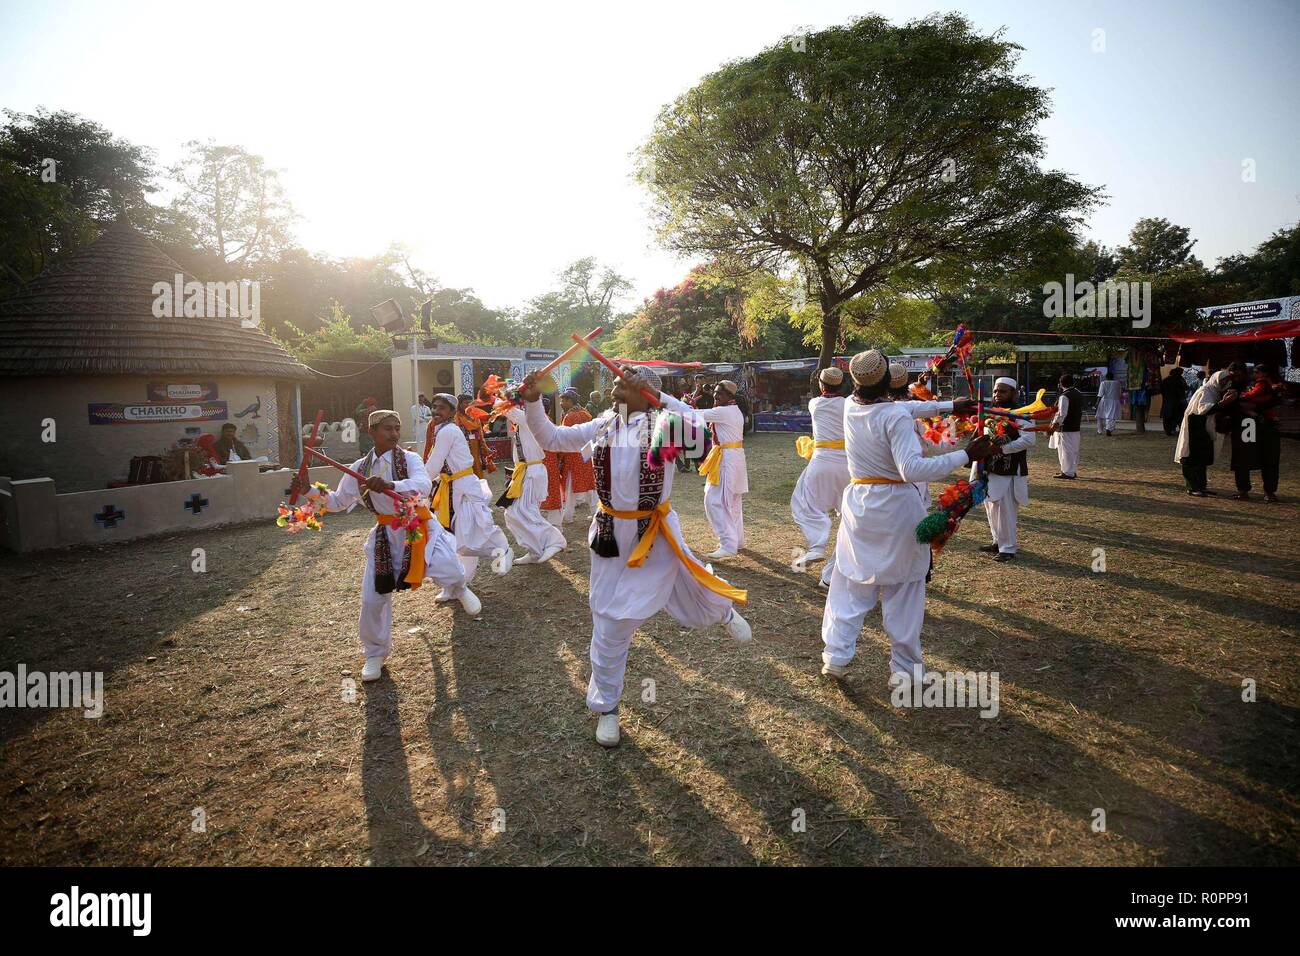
column 93, row 315
column 84, row 347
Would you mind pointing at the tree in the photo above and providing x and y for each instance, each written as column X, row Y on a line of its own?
column 702, row 319
column 233, row 203
column 102, row 173
column 38, row 222
column 1272, row 270
column 1156, row 245
column 585, row 299
column 338, row 340
column 861, row 156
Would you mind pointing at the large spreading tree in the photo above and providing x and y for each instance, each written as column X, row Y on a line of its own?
column 862, row 157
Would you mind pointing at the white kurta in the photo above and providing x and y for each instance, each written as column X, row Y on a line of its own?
column 877, row 556
column 821, row 484
column 1065, row 443
column 477, row 535
column 420, row 417
column 376, row 623
column 622, row 598
column 1201, row 402
column 530, row 528
column 1108, row 408
column 723, row 501
column 877, row 539
column 1006, row 493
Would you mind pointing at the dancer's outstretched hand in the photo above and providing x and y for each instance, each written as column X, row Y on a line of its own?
column 530, row 391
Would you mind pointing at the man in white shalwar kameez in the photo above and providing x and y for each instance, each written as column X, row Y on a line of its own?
column 1065, row 427
column 1108, row 407
column 821, row 484
column 390, row 565
column 877, row 556
column 630, row 584
column 1008, row 476
column 461, row 498
column 536, row 536
column 726, row 479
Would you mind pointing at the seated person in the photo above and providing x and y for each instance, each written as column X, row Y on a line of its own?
column 229, row 448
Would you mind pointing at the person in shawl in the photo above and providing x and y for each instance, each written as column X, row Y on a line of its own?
column 639, row 563
column 1195, row 448
column 877, row 556
column 462, row 502
column 392, row 562
column 577, row 480
column 1255, row 438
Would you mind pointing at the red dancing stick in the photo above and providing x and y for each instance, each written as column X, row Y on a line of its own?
column 361, row 479
column 569, row 352
column 302, row 469
column 648, row 395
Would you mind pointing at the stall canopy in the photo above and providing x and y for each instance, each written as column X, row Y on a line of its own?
column 1287, row 329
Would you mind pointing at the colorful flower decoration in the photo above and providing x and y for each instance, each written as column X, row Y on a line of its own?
column 307, row 514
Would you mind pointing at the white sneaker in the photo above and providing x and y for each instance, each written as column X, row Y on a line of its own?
column 374, row 668
column 550, row 553
column 722, row 553
column 470, row 602
column 502, row 560
column 526, row 558
column 738, row 628
column 816, row 554
column 607, row 730
column 838, row 671
column 443, row 597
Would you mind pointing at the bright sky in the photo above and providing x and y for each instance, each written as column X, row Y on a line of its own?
column 495, row 139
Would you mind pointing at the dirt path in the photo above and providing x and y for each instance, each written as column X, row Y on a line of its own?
column 226, row 693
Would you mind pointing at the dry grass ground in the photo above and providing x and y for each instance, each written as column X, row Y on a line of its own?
column 1120, row 690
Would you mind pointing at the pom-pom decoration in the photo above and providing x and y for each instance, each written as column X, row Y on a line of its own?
column 955, row 502
column 307, row 514
column 671, row 436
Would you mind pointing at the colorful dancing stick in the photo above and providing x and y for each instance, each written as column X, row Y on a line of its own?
column 648, row 395
column 306, row 456
column 571, row 351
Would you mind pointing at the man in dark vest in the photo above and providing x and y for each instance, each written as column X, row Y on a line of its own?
column 1065, row 427
column 1008, row 477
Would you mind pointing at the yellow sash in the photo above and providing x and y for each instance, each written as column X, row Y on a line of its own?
column 711, row 467
column 879, row 481
column 414, row 577
column 804, row 445
column 517, row 477
column 658, row 517
column 442, row 497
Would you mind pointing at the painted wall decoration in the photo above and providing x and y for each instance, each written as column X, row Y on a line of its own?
column 466, row 378
column 148, row 413
column 253, row 409
column 177, row 392
column 110, row 516
column 195, row 503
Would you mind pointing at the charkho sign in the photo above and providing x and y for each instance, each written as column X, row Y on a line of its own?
column 103, row 413
column 193, row 392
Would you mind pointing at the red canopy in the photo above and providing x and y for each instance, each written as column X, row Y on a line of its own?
column 1287, row 329
column 655, row 363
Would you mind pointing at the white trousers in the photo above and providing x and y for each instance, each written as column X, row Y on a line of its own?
column 611, row 639
column 572, row 498
column 477, row 535
column 531, row 531
column 375, row 628
column 1105, row 424
column 1067, row 450
column 1002, row 521
column 902, row 611
column 726, row 516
